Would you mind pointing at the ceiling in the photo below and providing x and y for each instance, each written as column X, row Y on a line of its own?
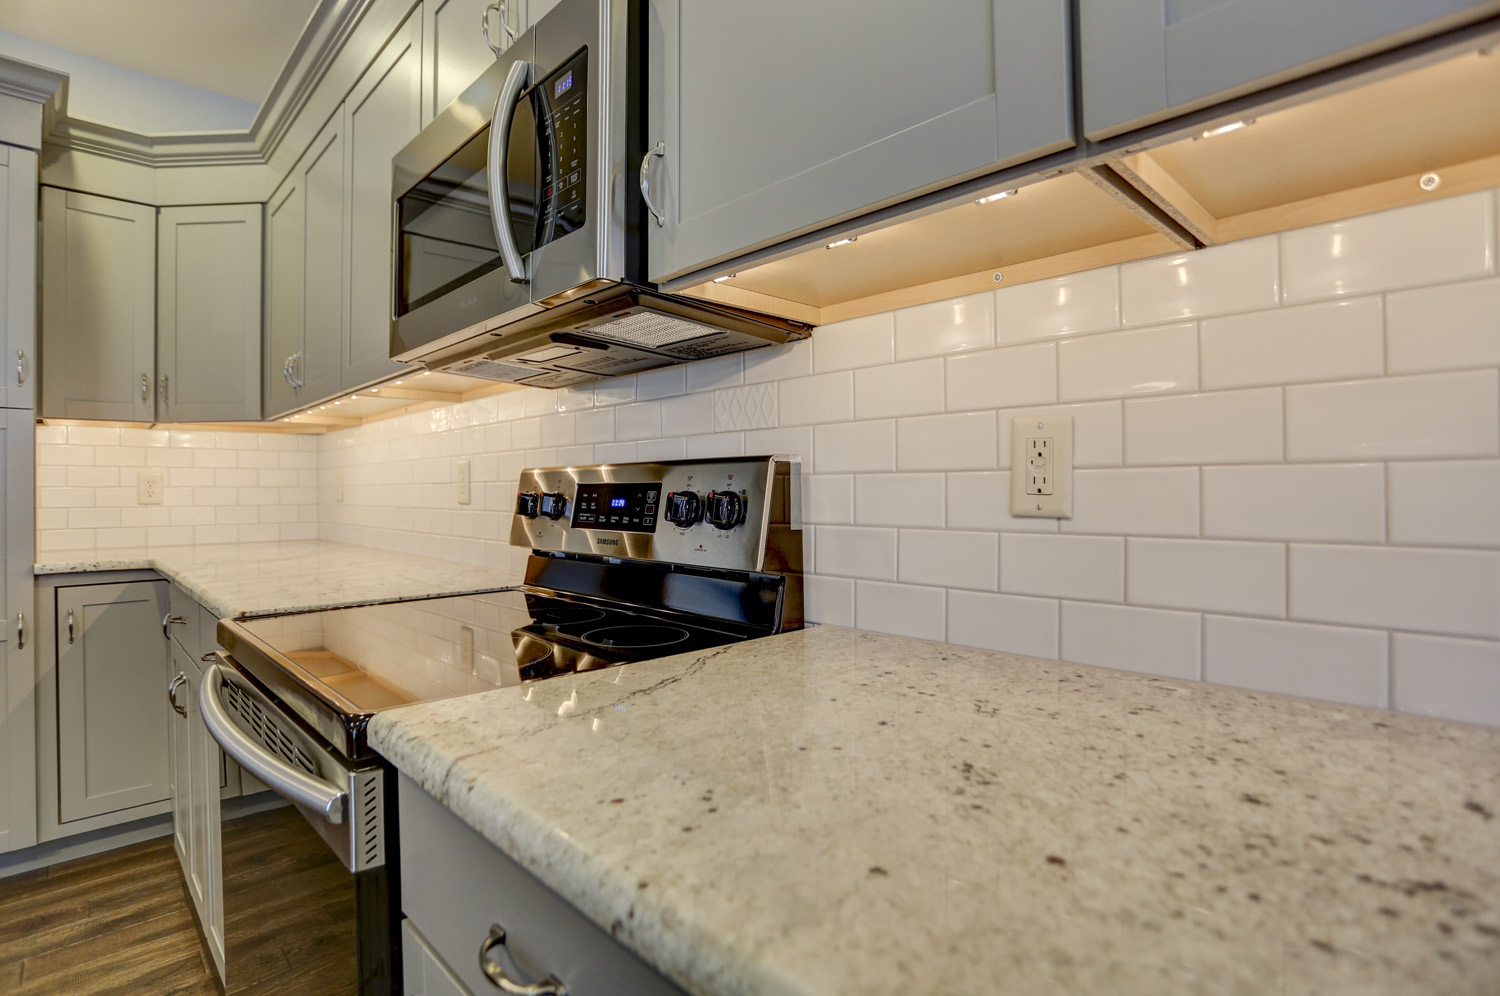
column 231, row 47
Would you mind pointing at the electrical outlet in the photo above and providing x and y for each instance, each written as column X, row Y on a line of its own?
column 1041, row 466
column 463, row 482
column 148, row 487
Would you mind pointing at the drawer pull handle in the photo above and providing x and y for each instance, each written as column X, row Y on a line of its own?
column 657, row 152
column 70, row 625
column 177, row 683
column 168, row 621
column 550, row 986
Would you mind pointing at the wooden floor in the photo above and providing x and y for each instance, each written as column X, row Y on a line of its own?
column 118, row 924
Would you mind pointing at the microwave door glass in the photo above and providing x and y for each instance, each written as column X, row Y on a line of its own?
column 446, row 236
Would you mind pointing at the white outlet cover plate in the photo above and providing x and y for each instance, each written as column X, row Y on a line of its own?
column 1059, row 504
column 148, row 487
column 463, row 482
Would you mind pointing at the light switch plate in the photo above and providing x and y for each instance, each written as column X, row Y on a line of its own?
column 1041, row 466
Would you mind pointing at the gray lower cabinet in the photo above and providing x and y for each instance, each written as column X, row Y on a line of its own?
column 18, row 637
column 17, row 277
column 382, row 113
column 208, row 313
column 1145, row 60
column 781, row 117
column 98, row 321
column 305, row 289
column 455, row 886
column 112, row 719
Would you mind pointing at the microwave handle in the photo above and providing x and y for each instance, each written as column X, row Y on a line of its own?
column 510, row 93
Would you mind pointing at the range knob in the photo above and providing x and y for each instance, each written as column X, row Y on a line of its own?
column 528, row 504
column 726, row 509
column 683, row 508
column 554, row 503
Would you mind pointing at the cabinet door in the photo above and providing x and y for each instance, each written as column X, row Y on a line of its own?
column 98, row 307
column 17, row 657
column 112, row 719
column 324, row 266
column 208, row 872
column 1144, row 60
column 17, row 277
column 180, row 769
column 208, row 329
column 382, row 114
column 454, row 52
column 285, row 219
column 786, row 116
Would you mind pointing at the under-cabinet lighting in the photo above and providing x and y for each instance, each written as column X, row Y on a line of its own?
column 396, row 384
column 1226, row 129
column 842, row 242
column 426, row 373
column 1002, row 195
column 731, row 276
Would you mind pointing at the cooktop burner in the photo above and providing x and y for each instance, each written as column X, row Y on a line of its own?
column 637, row 636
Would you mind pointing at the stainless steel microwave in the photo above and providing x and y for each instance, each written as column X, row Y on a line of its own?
column 520, row 238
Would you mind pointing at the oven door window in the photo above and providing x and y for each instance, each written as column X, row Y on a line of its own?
column 446, row 237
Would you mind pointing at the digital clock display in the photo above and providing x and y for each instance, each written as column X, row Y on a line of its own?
column 629, row 508
column 564, row 85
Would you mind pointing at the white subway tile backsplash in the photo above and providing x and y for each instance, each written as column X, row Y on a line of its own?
column 777, row 363
column 861, row 342
column 852, row 551
column 1227, row 427
column 947, row 442
column 538, row 401
column 944, row 327
column 1446, row 503
column 902, row 609
column 690, row 414
column 829, row 601
column 718, row 444
column 1149, row 641
column 1066, row 305
column 571, row 399
column 1210, row 575
column 914, row 388
column 1009, row 623
column 1098, row 431
column 1236, row 276
column 1447, row 678
column 828, row 498
column 1334, row 503
column 948, row 557
column 1319, row 662
column 527, row 433
column 796, row 442
column 1003, row 378
column 899, row 500
column 855, row 446
column 641, row 420
column 1435, row 591
column 981, row 500
column 721, row 371
column 1334, row 340
column 1089, row 567
column 596, row 426
column 739, row 408
column 1128, row 364
column 1150, row 502
column 811, row 400
column 662, row 382
column 614, row 390
column 1418, row 417
column 1444, row 328
column 1436, row 242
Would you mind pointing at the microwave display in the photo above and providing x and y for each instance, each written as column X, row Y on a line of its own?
column 561, row 105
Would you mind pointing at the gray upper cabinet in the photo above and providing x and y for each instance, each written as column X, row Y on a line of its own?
column 1145, row 60
column 781, row 117
column 17, row 277
column 305, row 296
column 454, row 52
column 98, row 307
column 208, row 326
column 112, row 716
column 383, row 113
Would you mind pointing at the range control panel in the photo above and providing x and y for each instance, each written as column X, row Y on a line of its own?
column 709, row 513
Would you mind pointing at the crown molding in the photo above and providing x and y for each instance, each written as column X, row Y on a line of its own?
column 327, row 30
column 30, row 82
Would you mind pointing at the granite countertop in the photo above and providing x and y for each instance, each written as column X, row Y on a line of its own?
column 833, row 811
column 250, row 579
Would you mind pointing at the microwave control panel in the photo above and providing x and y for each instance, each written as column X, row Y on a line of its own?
column 562, row 117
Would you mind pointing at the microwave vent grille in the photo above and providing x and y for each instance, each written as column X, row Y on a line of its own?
column 491, row 370
column 650, row 331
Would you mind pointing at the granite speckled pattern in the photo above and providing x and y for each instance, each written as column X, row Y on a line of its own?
column 833, row 811
column 250, row 579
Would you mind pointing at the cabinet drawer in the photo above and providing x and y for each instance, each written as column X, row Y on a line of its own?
column 422, row 970
column 188, row 632
column 455, row 885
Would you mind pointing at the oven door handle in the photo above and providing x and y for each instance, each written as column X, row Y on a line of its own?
column 499, row 174
column 286, row 781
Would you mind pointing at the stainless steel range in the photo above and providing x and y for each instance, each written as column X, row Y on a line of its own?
column 629, row 562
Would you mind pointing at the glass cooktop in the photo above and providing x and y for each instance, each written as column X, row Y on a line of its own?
column 367, row 658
